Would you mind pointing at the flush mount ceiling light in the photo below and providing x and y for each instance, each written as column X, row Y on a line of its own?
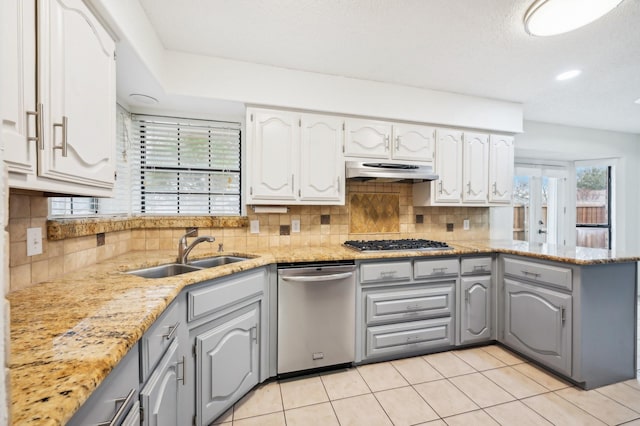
column 567, row 75
column 143, row 99
column 637, row 101
column 551, row 17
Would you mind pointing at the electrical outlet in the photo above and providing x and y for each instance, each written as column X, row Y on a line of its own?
column 34, row 241
column 295, row 225
column 255, row 226
column 465, row 224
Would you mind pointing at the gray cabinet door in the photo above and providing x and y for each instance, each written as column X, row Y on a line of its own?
column 538, row 323
column 159, row 396
column 227, row 363
column 475, row 309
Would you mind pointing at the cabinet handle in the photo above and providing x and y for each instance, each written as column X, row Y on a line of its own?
column 479, row 268
column 39, row 126
column 338, row 183
column 254, row 333
column 116, row 419
column 181, row 379
column 292, row 181
column 415, row 307
column 65, row 126
column 469, row 188
column 466, row 295
column 439, row 270
column 386, row 142
column 532, row 274
column 563, row 317
column 397, row 143
column 387, row 274
column 412, row 338
column 495, row 188
column 440, row 184
column 172, row 331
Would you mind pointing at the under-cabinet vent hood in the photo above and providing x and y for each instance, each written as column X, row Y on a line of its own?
column 388, row 172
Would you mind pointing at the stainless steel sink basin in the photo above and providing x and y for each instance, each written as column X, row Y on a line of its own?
column 163, row 271
column 211, row 262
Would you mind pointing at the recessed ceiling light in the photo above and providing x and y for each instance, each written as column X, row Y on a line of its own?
column 568, row 75
column 637, row 101
column 143, row 99
column 551, row 17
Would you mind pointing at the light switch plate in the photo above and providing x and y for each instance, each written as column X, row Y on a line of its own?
column 34, row 241
column 295, row 225
column 255, row 226
column 465, row 224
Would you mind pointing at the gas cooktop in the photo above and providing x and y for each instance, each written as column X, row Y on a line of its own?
column 397, row 245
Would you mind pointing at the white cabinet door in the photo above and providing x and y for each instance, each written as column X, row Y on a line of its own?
column 18, row 85
column 273, row 159
column 537, row 322
column 76, row 83
column 227, row 361
column 159, row 396
column 321, row 161
column 367, row 139
column 448, row 166
column 475, row 167
column 500, row 169
column 413, row 143
column 475, row 309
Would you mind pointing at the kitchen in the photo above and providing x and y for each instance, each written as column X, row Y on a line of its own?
column 320, row 92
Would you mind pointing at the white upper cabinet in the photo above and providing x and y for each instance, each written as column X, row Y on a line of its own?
column 369, row 139
column 294, row 158
column 501, row 169
column 475, row 166
column 60, row 137
column 448, row 166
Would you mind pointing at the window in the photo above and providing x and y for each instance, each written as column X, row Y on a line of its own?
column 593, row 206
column 169, row 166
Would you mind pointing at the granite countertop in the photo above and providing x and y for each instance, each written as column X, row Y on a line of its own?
column 68, row 334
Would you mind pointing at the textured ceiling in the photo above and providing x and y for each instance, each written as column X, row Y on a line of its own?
column 475, row 47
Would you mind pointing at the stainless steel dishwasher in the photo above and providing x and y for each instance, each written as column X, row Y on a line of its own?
column 316, row 316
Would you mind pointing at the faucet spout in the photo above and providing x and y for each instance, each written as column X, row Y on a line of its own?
column 184, row 249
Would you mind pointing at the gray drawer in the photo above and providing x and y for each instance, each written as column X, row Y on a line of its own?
column 435, row 268
column 537, row 272
column 475, row 265
column 158, row 338
column 409, row 337
column 385, row 272
column 410, row 304
column 223, row 293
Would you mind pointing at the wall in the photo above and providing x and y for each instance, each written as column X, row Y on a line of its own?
column 565, row 143
column 58, row 257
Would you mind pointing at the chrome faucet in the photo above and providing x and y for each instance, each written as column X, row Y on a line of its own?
column 184, row 249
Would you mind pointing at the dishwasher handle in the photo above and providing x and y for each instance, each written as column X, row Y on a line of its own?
column 317, row 278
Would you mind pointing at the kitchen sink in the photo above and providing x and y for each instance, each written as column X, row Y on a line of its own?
column 211, row 262
column 163, row 271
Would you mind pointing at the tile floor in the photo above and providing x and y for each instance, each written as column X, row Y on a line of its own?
column 480, row 386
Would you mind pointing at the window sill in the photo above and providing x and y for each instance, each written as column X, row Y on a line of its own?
column 60, row 229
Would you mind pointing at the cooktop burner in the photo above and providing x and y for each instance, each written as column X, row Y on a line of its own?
column 397, row 245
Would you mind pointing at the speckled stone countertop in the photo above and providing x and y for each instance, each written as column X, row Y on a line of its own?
column 68, row 334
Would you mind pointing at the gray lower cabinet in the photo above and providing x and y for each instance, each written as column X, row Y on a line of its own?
column 538, row 323
column 159, row 397
column 227, row 362
column 475, row 309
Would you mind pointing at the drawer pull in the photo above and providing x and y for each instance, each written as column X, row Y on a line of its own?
column 563, row 317
column 117, row 417
column 413, row 339
column 439, row 270
column 387, row 274
column 181, row 379
column 415, row 307
column 530, row 274
column 172, row 331
column 466, row 295
column 479, row 268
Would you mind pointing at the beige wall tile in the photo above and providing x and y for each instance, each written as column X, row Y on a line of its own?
column 20, row 277
column 18, row 229
column 18, row 254
column 39, row 271
column 19, row 206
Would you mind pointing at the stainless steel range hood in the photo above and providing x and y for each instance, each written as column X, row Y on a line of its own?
column 388, row 172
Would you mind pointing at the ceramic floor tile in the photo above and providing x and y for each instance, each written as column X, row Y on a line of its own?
column 448, row 364
column 516, row 413
column 445, row 398
column 514, row 382
column 226, row 417
column 632, row 423
column 503, row 354
column 301, row 392
column 598, row 405
column 319, row 414
column 559, row 411
column 360, row 410
column 546, row 379
column 479, row 359
column 481, row 390
column 263, row 400
column 634, row 383
column 381, row 376
column 475, row 418
column 433, row 423
column 273, row 419
column 344, row 384
column 416, row 370
column 405, row 406
column 625, row 395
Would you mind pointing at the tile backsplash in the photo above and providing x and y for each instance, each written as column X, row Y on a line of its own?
column 390, row 203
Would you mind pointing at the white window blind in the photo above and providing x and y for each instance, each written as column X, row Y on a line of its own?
column 185, row 166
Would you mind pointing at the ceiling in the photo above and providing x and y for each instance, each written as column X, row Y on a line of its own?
column 474, row 47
